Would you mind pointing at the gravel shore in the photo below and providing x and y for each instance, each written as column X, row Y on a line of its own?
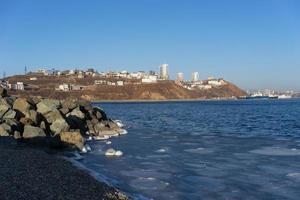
column 31, row 173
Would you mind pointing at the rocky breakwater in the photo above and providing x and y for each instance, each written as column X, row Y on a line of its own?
column 53, row 122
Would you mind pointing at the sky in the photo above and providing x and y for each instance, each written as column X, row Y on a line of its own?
column 252, row 43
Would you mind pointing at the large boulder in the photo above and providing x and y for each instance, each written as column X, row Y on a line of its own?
column 77, row 113
column 69, row 104
column 10, row 114
column 34, row 116
column 64, row 111
column 99, row 113
column 73, row 138
column 58, row 126
column 7, row 101
column 85, row 105
column 14, row 125
column 99, row 127
column 3, row 109
column 32, row 132
column 3, row 92
column 53, row 116
column 22, row 105
column 5, row 129
column 48, row 105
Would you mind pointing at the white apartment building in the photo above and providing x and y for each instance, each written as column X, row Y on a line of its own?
column 180, row 77
column 149, row 79
column 195, row 77
column 164, row 71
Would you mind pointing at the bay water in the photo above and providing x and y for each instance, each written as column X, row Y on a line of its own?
column 239, row 149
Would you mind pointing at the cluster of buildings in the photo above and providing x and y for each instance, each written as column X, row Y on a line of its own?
column 196, row 83
column 10, row 86
column 146, row 77
column 121, row 78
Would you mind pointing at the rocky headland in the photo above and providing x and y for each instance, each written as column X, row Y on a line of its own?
column 54, row 122
column 30, row 127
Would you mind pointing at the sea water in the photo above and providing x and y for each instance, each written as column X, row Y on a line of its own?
column 243, row 149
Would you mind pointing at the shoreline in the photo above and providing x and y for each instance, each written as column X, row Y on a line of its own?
column 158, row 101
column 37, row 173
column 180, row 100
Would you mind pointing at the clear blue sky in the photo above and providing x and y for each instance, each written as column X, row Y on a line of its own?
column 253, row 43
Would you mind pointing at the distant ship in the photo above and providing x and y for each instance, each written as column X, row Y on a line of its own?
column 259, row 96
column 284, row 96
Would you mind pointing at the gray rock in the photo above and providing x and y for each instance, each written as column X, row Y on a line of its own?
column 34, row 116
column 99, row 127
column 73, row 138
column 10, row 114
column 69, row 104
column 77, row 113
column 22, row 105
column 99, row 113
column 112, row 125
column 3, row 109
column 58, row 126
column 36, row 100
column 17, row 135
column 14, row 125
column 3, row 133
column 3, row 92
column 5, row 129
column 8, row 101
column 48, row 105
column 90, row 127
column 32, row 132
column 43, row 125
column 64, row 111
column 53, row 116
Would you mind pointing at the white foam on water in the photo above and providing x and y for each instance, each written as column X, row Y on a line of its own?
column 294, row 175
column 162, row 150
column 199, row 150
column 277, row 151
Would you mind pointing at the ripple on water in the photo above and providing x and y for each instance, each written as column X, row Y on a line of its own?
column 144, row 173
column 148, row 183
column 195, row 165
column 277, row 151
column 204, row 183
column 199, row 150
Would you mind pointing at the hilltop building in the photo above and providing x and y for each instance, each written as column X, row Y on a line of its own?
column 164, row 71
column 180, row 77
column 195, row 77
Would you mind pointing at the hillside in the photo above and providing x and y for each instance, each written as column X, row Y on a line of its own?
column 45, row 86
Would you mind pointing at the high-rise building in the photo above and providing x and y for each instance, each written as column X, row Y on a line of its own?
column 164, row 71
column 180, row 77
column 195, row 77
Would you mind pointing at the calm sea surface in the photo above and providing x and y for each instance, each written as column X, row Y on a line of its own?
column 204, row 150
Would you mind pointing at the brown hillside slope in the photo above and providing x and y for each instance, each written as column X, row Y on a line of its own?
column 155, row 91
